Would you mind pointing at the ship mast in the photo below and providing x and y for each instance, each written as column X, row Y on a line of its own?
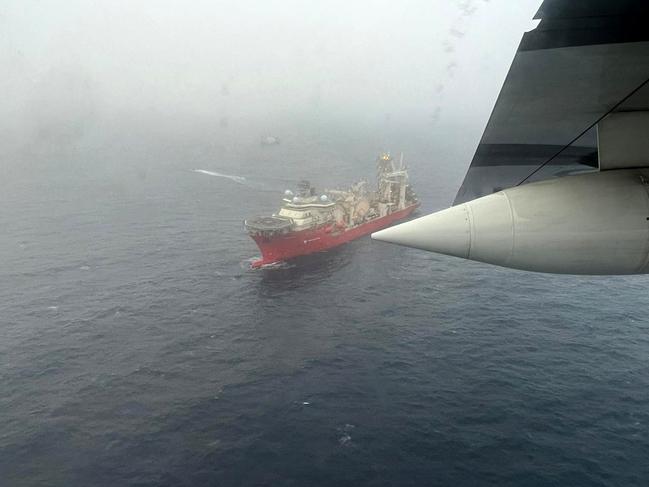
column 393, row 181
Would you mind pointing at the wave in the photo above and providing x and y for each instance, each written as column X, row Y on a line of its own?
column 236, row 179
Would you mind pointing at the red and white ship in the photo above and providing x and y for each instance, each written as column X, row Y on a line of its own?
column 309, row 222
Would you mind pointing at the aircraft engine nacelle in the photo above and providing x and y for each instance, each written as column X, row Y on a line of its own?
column 594, row 223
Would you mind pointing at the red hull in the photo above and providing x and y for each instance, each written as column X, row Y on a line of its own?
column 284, row 247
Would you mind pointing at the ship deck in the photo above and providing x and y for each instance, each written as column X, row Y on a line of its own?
column 268, row 223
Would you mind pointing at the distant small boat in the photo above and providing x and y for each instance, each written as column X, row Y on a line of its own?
column 269, row 140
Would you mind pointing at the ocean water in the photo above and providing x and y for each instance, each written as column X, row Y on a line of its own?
column 137, row 348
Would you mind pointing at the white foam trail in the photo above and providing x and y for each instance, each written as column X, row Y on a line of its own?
column 236, row 179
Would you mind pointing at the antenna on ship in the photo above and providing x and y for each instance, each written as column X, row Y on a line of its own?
column 392, row 164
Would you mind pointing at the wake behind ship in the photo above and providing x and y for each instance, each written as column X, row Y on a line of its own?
column 309, row 222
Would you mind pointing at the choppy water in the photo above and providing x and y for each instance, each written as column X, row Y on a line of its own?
column 136, row 348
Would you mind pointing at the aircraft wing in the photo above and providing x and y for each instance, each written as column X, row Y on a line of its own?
column 584, row 60
column 575, row 103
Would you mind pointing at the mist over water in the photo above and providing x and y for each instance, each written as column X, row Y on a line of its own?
column 116, row 78
column 137, row 348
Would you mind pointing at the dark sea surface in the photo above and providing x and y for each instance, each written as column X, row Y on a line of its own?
column 137, row 348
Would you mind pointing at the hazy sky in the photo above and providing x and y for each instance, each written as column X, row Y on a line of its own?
column 69, row 62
